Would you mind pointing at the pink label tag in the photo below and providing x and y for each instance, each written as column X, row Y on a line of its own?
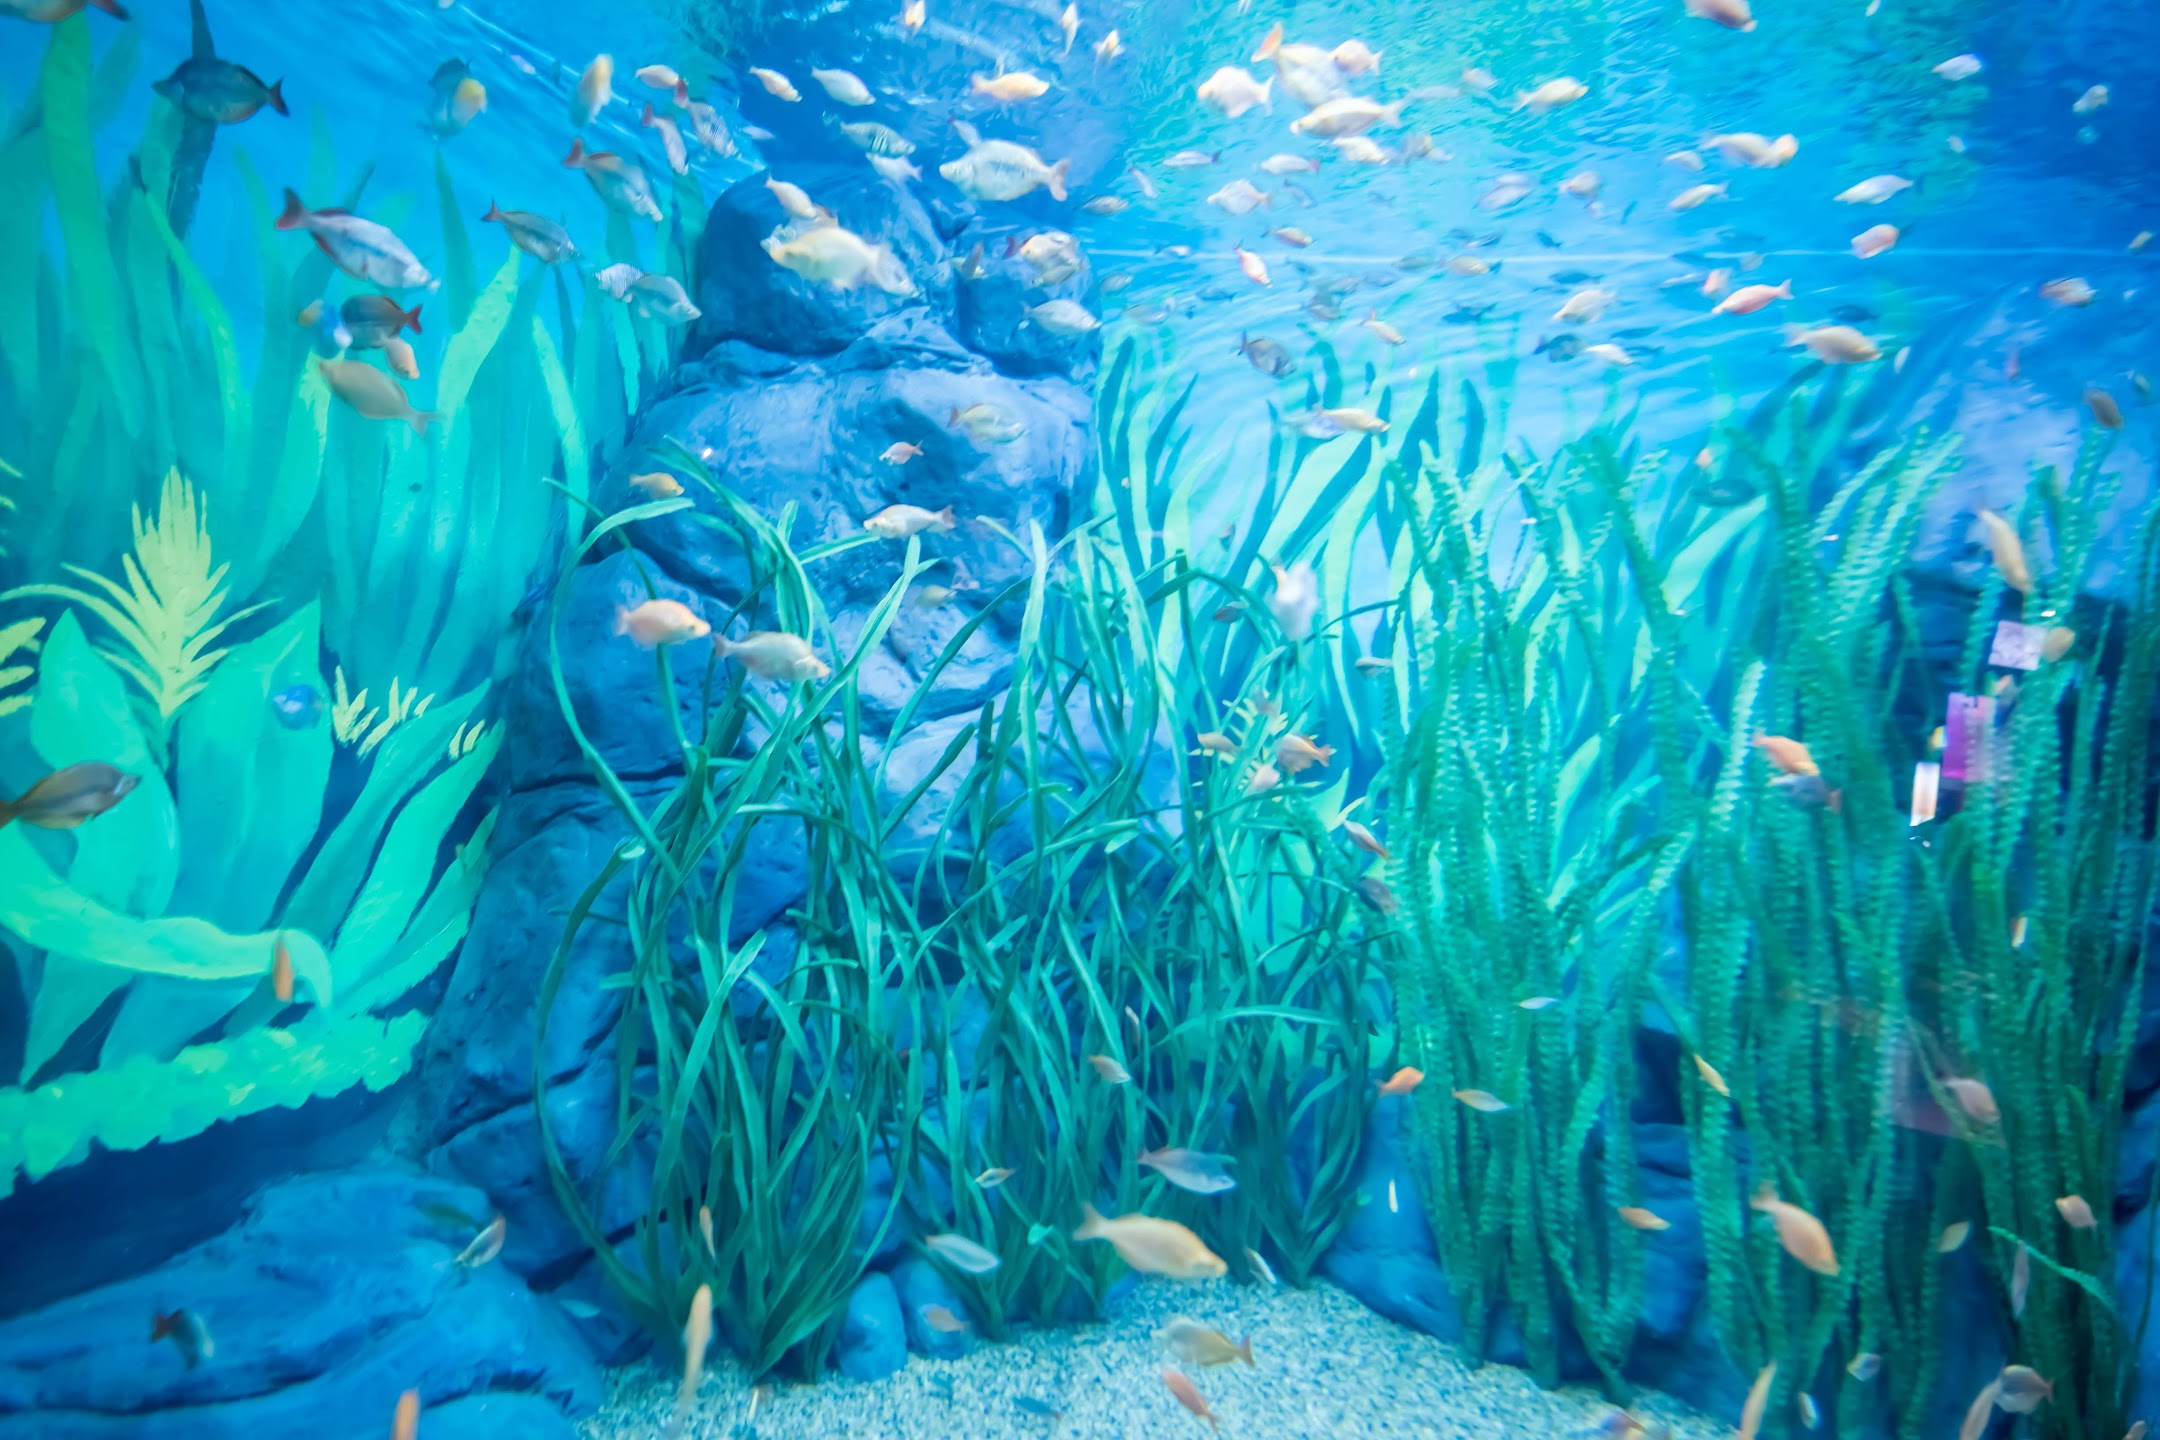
column 1965, row 738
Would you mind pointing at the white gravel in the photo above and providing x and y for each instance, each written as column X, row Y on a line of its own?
column 1327, row 1367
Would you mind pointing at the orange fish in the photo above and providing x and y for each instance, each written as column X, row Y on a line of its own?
column 1295, row 753
column 1364, row 839
column 1790, row 756
column 1189, row 1396
column 1758, row 1396
column 405, row 1424
column 1802, row 1235
column 1403, row 1081
column 281, row 977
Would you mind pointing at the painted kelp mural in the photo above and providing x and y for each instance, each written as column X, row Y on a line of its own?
column 838, row 830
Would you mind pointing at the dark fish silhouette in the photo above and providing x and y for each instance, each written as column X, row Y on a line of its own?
column 66, row 798
column 208, row 92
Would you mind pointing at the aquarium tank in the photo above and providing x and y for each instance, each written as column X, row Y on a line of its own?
column 1008, row 719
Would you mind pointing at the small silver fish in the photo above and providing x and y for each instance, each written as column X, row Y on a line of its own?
column 1193, row 1170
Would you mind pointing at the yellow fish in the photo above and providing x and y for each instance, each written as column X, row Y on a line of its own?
column 1197, row 1344
column 2009, row 552
column 660, row 622
column 1154, row 1247
column 770, row 655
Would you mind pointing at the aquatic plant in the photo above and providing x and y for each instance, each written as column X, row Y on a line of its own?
column 18, row 642
column 167, row 615
column 145, row 941
column 362, row 727
column 159, row 925
column 1057, row 875
column 1580, row 813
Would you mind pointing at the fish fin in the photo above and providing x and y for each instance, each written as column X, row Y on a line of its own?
column 113, row 8
column 420, row 419
column 1091, row 1223
column 162, row 1324
column 1271, row 44
column 494, row 213
column 945, row 517
column 576, row 157
column 199, row 28
column 277, row 97
column 1058, row 172
column 412, row 320
column 647, row 118
column 295, row 213
column 622, row 619
column 1244, row 1350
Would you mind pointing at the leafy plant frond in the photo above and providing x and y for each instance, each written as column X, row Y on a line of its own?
column 166, row 615
column 18, row 643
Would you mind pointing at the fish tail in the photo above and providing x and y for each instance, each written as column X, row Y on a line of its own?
column 576, row 157
column 295, row 214
column 1244, row 338
column 1267, row 92
column 412, row 320
column 277, row 97
column 1795, row 334
column 494, row 213
column 622, row 619
column 1244, row 1350
column 946, row 518
column 682, row 93
column 1091, row 1223
column 1270, row 45
column 1058, row 172
column 162, row 1324
column 648, row 120
column 420, row 420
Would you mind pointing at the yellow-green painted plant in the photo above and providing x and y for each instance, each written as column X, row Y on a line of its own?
column 17, row 640
column 362, row 727
column 166, row 618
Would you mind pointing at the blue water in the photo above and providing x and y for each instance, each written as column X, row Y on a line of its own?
column 164, row 1150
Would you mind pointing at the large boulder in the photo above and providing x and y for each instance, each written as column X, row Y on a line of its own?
column 334, row 1294
column 747, row 295
column 873, row 1337
column 794, row 394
